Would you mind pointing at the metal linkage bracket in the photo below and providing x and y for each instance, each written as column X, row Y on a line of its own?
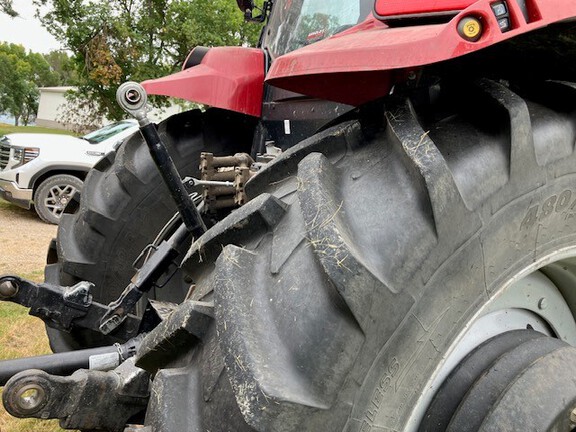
column 86, row 400
column 143, row 281
column 224, row 179
column 63, row 308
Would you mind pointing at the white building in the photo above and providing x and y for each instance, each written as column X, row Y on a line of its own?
column 52, row 108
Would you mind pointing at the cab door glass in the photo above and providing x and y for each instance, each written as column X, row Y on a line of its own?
column 297, row 23
column 323, row 18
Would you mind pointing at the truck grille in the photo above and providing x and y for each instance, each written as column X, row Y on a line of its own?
column 4, row 155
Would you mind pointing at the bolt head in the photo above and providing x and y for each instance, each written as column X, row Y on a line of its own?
column 542, row 303
column 8, row 289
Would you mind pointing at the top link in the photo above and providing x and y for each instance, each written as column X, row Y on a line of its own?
column 133, row 99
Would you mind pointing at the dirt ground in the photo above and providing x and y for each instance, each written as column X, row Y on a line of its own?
column 24, row 241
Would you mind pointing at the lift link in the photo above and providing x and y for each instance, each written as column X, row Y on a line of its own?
column 132, row 98
column 86, row 400
column 143, row 281
column 63, row 308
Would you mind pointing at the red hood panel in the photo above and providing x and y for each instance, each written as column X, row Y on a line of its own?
column 414, row 7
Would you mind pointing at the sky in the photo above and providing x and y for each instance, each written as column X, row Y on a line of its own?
column 26, row 30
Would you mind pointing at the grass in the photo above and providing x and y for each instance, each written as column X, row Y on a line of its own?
column 22, row 335
column 6, row 129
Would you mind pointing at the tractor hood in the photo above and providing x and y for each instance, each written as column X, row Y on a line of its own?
column 363, row 62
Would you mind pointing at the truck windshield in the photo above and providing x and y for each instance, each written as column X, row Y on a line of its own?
column 296, row 23
column 107, row 131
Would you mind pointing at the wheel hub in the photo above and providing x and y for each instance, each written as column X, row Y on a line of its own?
column 519, row 380
column 58, row 197
column 540, row 299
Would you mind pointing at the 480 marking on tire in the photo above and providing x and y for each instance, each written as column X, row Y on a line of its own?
column 553, row 204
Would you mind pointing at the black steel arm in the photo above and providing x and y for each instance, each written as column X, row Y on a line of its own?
column 143, row 280
column 63, row 308
column 132, row 98
column 104, row 358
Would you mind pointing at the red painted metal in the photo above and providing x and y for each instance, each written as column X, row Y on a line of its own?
column 228, row 77
column 388, row 8
column 344, row 67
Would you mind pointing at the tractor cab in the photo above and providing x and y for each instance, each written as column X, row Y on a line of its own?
column 294, row 24
column 289, row 116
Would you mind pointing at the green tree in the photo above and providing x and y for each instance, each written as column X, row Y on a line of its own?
column 121, row 40
column 6, row 7
column 21, row 74
column 63, row 65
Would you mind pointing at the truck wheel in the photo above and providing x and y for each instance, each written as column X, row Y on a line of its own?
column 123, row 206
column 413, row 270
column 53, row 194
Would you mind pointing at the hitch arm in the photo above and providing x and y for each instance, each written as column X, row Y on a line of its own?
column 63, row 308
column 103, row 358
column 88, row 400
column 143, row 280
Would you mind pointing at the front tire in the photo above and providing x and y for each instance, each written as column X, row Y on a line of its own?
column 53, row 195
column 125, row 204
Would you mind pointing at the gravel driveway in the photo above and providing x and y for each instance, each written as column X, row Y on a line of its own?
column 24, row 241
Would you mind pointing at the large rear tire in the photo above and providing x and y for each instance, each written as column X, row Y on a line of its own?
column 125, row 203
column 376, row 256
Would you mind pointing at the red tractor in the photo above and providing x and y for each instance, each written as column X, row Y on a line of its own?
column 375, row 230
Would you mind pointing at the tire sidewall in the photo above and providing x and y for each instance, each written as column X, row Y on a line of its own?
column 517, row 238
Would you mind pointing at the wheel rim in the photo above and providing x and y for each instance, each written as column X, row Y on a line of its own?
column 540, row 298
column 58, row 197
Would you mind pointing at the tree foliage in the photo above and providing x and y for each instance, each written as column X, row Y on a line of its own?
column 119, row 40
column 61, row 63
column 6, row 7
column 21, row 74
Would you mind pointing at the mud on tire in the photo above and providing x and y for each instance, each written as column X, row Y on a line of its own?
column 340, row 291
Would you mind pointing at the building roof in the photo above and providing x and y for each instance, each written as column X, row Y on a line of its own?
column 62, row 89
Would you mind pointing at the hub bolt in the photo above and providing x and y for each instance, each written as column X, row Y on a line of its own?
column 542, row 303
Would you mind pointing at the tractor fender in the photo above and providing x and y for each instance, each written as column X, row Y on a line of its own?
column 230, row 78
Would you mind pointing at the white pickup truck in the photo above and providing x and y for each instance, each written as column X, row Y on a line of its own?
column 45, row 170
